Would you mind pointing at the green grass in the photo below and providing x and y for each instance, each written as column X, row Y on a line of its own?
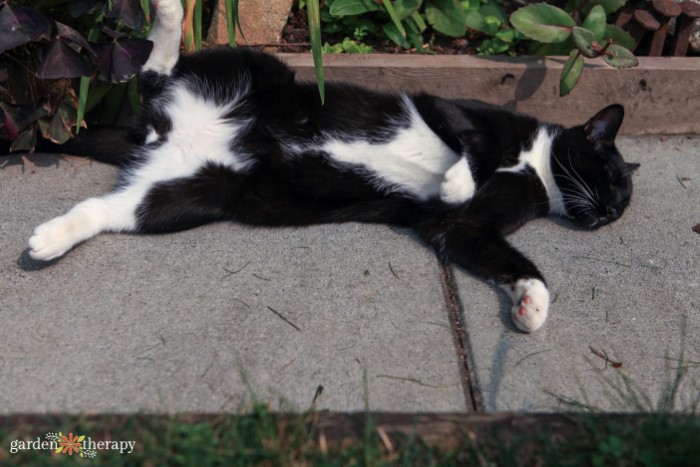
column 263, row 437
column 661, row 431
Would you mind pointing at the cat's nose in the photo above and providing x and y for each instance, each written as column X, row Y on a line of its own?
column 612, row 211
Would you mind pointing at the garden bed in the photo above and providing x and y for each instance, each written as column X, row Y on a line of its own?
column 661, row 95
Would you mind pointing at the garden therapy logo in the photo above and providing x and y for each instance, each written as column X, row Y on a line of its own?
column 70, row 444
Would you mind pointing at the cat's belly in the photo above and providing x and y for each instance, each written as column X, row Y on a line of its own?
column 200, row 132
column 414, row 159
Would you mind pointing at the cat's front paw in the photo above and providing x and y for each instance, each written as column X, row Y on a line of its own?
column 52, row 239
column 531, row 304
column 458, row 185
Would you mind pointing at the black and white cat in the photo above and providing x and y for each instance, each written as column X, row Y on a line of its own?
column 228, row 134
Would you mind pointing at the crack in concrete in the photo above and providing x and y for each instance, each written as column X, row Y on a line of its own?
column 472, row 395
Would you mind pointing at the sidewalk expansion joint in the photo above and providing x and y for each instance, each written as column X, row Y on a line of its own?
column 461, row 339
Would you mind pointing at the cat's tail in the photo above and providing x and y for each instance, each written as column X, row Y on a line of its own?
column 111, row 145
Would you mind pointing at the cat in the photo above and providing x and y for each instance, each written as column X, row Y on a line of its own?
column 228, row 134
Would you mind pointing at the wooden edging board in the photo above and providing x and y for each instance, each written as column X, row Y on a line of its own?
column 661, row 95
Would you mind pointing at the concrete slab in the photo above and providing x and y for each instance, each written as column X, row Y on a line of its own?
column 627, row 289
column 185, row 322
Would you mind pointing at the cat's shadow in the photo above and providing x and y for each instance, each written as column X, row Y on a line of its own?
column 27, row 263
column 504, row 302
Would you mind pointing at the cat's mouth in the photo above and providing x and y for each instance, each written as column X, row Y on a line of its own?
column 594, row 220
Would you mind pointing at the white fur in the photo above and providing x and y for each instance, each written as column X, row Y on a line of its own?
column 152, row 135
column 458, row 185
column 528, row 317
column 539, row 158
column 415, row 159
column 165, row 35
column 199, row 135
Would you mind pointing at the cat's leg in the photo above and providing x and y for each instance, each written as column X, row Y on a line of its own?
column 165, row 35
column 488, row 255
column 473, row 237
column 114, row 212
column 153, row 207
column 458, row 184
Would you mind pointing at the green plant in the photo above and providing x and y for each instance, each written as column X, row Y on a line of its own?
column 61, row 59
column 412, row 23
column 348, row 46
column 579, row 31
column 47, row 46
column 500, row 38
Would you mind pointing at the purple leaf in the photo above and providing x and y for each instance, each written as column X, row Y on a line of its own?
column 103, row 54
column 129, row 55
column 20, row 24
column 70, row 34
column 80, row 7
column 21, row 115
column 127, row 12
column 111, row 32
column 9, row 123
column 61, row 61
column 26, row 140
column 59, row 132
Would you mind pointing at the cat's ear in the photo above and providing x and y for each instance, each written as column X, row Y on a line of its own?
column 604, row 125
column 631, row 167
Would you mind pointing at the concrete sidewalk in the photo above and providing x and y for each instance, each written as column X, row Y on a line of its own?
column 201, row 321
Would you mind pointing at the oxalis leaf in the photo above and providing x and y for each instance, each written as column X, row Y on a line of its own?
column 19, row 24
column 543, row 22
column 620, row 57
column 61, row 61
column 571, row 73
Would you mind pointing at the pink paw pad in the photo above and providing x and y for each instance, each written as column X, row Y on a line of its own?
column 527, row 300
column 522, row 311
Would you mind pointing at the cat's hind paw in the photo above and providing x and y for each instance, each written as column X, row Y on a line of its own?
column 54, row 238
column 531, row 304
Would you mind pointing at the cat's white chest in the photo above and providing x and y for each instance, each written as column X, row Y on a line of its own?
column 200, row 132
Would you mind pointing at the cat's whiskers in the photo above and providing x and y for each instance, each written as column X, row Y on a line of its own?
column 577, row 196
column 583, row 194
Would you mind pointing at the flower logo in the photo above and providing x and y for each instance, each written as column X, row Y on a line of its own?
column 70, row 444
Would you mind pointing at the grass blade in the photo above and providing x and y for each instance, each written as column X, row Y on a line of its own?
column 146, row 7
column 198, row 24
column 189, row 25
column 314, row 12
column 394, row 17
column 85, row 84
column 82, row 101
column 232, row 21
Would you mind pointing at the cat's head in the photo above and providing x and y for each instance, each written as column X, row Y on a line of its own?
column 594, row 180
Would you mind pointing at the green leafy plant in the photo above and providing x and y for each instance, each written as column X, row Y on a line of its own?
column 579, row 31
column 348, row 46
column 48, row 46
column 412, row 23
